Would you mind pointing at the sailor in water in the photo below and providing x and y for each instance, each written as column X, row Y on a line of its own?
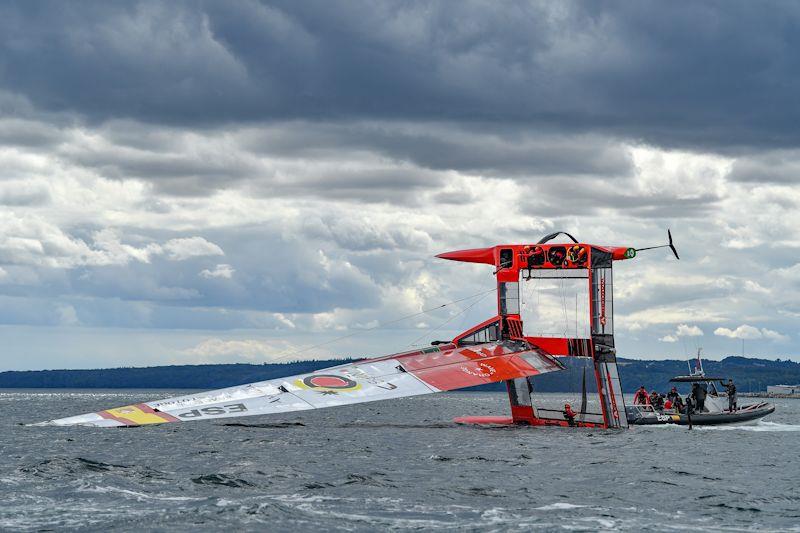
column 731, row 389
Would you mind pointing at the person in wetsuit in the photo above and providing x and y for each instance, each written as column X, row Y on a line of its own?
column 731, row 389
column 641, row 398
column 699, row 394
column 569, row 414
column 655, row 399
column 673, row 395
column 690, row 404
column 678, row 404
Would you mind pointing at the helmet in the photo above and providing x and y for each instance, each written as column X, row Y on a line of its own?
column 576, row 254
column 556, row 255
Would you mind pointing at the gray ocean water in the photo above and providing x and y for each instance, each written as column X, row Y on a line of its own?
column 399, row 465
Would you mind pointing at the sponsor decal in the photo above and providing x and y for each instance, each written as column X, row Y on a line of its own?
column 137, row 415
column 483, row 370
column 215, row 411
column 328, row 384
column 356, row 372
column 603, row 301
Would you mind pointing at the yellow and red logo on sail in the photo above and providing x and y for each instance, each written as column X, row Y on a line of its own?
column 327, row 382
column 137, row 415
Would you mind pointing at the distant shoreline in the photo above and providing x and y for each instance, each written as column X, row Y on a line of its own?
column 769, row 395
column 751, row 375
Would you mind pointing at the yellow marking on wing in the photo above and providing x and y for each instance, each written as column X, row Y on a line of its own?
column 136, row 415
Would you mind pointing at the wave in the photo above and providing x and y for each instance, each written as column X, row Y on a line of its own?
column 762, row 425
column 558, row 506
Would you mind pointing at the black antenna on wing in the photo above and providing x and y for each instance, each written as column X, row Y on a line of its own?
column 669, row 245
column 554, row 235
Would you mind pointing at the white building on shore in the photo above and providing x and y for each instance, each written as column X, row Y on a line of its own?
column 783, row 389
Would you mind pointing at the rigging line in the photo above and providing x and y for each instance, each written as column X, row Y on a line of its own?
column 576, row 315
column 564, row 305
column 359, row 332
column 463, row 311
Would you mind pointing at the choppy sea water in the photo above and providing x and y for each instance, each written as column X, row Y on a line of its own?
column 398, row 464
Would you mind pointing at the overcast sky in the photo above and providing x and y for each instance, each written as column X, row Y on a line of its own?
column 190, row 182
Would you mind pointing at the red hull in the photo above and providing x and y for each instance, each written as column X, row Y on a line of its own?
column 508, row 421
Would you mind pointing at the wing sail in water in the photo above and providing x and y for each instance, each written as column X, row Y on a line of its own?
column 436, row 369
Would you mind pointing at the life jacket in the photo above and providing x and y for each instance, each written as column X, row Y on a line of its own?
column 641, row 397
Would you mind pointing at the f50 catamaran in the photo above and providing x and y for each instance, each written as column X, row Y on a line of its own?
column 510, row 347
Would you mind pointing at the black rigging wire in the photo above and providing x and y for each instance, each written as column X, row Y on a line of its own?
column 359, row 332
column 467, row 308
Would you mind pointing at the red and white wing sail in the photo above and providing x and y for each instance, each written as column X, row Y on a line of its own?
column 436, row 369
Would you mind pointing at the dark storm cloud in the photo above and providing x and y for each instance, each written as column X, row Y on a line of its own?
column 369, row 161
column 494, row 150
column 24, row 196
column 570, row 197
column 779, row 167
column 713, row 74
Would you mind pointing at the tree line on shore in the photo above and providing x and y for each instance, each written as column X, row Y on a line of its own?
column 750, row 375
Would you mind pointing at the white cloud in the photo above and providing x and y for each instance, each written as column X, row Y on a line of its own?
column 747, row 332
column 67, row 315
column 181, row 249
column 218, row 349
column 34, row 241
column 684, row 330
column 92, row 217
column 220, row 271
column 774, row 335
column 754, row 286
column 742, row 332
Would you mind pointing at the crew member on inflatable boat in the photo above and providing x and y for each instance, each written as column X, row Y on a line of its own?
column 690, row 404
column 673, row 395
column 678, row 404
column 731, row 389
column 641, row 397
column 699, row 393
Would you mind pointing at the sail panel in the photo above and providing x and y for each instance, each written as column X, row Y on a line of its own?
column 408, row 374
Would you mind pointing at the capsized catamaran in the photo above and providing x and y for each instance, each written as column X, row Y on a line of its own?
column 498, row 349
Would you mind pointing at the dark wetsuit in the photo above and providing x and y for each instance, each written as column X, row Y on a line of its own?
column 678, row 404
column 673, row 396
column 701, row 399
column 699, row 394
column 690, row 404
column 731, row 388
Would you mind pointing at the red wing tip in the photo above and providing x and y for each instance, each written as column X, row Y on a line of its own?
column 485, row 420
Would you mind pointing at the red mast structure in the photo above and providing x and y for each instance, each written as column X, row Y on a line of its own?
column 516, row 263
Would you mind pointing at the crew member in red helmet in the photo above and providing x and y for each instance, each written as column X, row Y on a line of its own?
column 569, row 414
